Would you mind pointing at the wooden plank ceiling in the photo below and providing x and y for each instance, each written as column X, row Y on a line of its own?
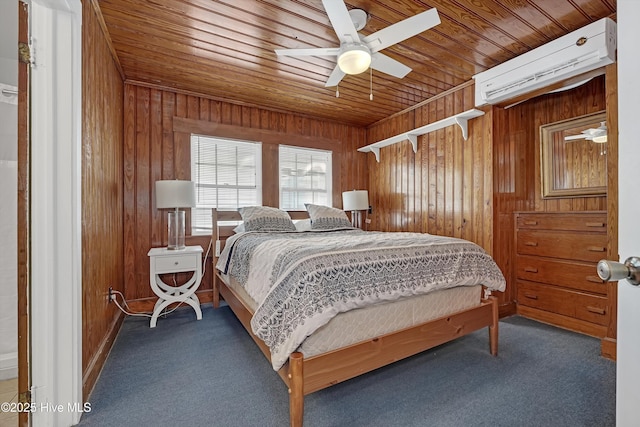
column 225, row 49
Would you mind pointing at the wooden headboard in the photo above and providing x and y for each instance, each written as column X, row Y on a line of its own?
column 222, row 232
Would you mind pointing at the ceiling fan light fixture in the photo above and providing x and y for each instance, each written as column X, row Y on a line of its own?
column 354, row 58
column 600, row 139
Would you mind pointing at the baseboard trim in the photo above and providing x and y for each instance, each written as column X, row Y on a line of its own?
column 564, row 322
column 94, row 368
column 609, row 348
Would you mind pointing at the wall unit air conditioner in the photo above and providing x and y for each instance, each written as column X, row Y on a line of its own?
column 578, row 53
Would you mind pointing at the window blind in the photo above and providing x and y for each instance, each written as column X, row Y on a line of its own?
column 305, row 177
column 227, row 174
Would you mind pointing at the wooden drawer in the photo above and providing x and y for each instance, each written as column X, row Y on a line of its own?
column 570, row 221
column 590, row 308
column 562, row 244
column 569, row 274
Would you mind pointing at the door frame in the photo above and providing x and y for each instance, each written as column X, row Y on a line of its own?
column 53, row 236
column 23, row 231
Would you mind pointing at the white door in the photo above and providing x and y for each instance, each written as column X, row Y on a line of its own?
column 628, row 352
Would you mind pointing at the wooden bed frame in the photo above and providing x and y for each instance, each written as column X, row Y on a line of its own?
column 304, row 376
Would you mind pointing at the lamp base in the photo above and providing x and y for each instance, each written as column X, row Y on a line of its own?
column 356, row 219
column 176, row 230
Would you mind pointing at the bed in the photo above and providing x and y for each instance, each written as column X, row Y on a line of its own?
column 317, row 338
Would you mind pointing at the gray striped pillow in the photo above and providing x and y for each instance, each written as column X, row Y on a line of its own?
column 265, row 218
column 327, row 218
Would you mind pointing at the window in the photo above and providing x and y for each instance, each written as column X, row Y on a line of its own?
column 227, row 174
column 305, row 177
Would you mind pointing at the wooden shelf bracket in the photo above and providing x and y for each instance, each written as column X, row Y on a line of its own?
column 460, row 119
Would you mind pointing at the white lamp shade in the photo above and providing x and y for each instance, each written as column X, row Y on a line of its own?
column 175, row 194
column 354, row 59
column 356, row 200
column 600, row 139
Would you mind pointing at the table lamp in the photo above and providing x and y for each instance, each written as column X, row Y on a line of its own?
column 355, row 201
column 175, row 194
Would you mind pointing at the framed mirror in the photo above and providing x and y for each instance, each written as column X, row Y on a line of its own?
column 573, row 157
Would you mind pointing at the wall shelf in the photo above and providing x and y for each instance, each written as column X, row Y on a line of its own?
column 460, row 119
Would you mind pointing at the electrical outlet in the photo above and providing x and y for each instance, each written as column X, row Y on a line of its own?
column 111, row 295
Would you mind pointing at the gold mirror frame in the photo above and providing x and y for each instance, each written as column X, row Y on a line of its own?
column 576, row 170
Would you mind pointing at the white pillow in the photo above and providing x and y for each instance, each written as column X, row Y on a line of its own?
column 265, row 218
column 239, row 228
column 327, row 218
column 303, row 224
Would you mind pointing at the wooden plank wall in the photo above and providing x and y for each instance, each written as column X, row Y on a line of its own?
column 516, row 163
column 517, row 147
column 609, row 345
column 157, row 147
column 446, row 188
column 102, row 196
column 470, row 189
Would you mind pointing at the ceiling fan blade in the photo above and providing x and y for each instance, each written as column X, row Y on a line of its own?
column 336, row 75
column 402, row 30
column 321, row 51
column 388, row 65
column 574, row 137
column 341, row 21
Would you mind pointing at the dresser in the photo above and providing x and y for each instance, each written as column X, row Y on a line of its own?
column 555, row 269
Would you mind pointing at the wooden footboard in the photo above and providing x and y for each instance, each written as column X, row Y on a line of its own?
column 304, row 376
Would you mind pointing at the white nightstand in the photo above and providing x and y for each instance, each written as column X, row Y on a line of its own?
column 165, row 261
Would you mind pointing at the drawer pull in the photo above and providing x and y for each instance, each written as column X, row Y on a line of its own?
column 531, row 296
column 531, row 223
column 531, row 243
column 531, row 269
column 596, row 310
column 596, row 249
column 595, row 224
column 594, row 279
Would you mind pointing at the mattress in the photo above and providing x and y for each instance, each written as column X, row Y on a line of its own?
column 373, row 321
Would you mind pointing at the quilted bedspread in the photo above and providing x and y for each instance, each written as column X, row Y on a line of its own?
column 301, row 280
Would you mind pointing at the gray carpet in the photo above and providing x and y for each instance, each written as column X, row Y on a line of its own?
column 210, row 372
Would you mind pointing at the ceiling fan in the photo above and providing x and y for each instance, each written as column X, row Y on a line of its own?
column 357, row 53
column 597, row 135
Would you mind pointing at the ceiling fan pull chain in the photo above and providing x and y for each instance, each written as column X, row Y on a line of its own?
column 337, row 91
column 370, row 84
